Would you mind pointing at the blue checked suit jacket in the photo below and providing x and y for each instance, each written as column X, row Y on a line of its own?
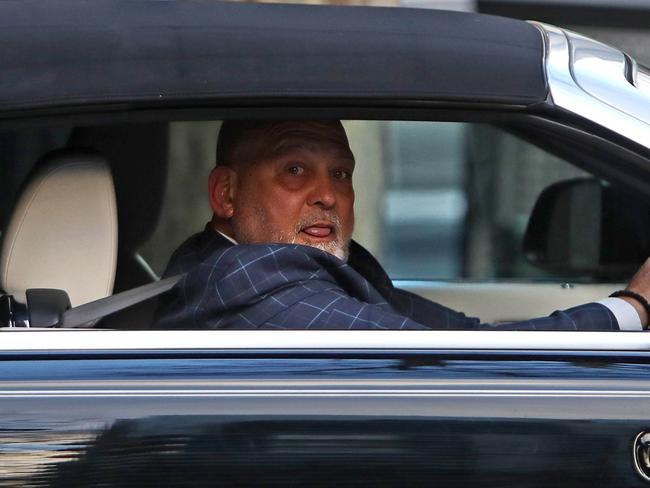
column 283, row 286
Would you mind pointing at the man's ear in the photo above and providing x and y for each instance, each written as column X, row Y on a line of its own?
column 222, row 185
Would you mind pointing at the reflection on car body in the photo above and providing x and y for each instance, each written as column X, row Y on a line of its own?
column 123, row 85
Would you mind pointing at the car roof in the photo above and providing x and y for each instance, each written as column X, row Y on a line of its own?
column 154, row 53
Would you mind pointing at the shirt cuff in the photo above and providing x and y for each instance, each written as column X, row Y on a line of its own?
column 626, row 315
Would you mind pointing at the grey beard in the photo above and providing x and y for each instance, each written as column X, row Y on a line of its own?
column 257, row 229
column 335, row 248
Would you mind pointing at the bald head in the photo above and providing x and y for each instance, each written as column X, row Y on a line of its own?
column 284, row 182
column 248, row 141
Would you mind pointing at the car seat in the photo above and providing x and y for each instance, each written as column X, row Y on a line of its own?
column 137, row 154
column 63, row 230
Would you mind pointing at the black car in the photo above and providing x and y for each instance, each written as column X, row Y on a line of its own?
column 503, row 169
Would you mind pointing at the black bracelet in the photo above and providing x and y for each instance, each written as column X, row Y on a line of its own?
column 639, row 298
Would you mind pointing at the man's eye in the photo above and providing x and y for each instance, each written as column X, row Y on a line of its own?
column 342, row 174
column 296, row 170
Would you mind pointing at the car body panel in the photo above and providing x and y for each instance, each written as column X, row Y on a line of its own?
column 609, row 100
column 349, row 421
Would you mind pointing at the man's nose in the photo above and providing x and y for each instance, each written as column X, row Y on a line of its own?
column 322, row 193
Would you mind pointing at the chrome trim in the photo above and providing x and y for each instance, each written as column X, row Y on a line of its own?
column 325, row 393
column 637, row 466
column 600, row 70
column 587, row 78
column 30, row 340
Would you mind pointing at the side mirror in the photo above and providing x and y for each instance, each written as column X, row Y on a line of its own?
column 584, row 227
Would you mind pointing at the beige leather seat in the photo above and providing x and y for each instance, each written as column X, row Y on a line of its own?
column 63, row 230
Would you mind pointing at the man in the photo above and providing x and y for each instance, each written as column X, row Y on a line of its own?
column 278, row 252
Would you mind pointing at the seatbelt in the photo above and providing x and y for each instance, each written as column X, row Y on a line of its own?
column 95, row 310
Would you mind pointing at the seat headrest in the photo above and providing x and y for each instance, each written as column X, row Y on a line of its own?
column 137, row 154
column 63, row 230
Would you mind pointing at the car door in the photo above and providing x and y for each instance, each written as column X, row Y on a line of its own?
column 375, row 408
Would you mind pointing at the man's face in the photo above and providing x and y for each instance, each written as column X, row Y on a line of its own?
column 299, row 192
